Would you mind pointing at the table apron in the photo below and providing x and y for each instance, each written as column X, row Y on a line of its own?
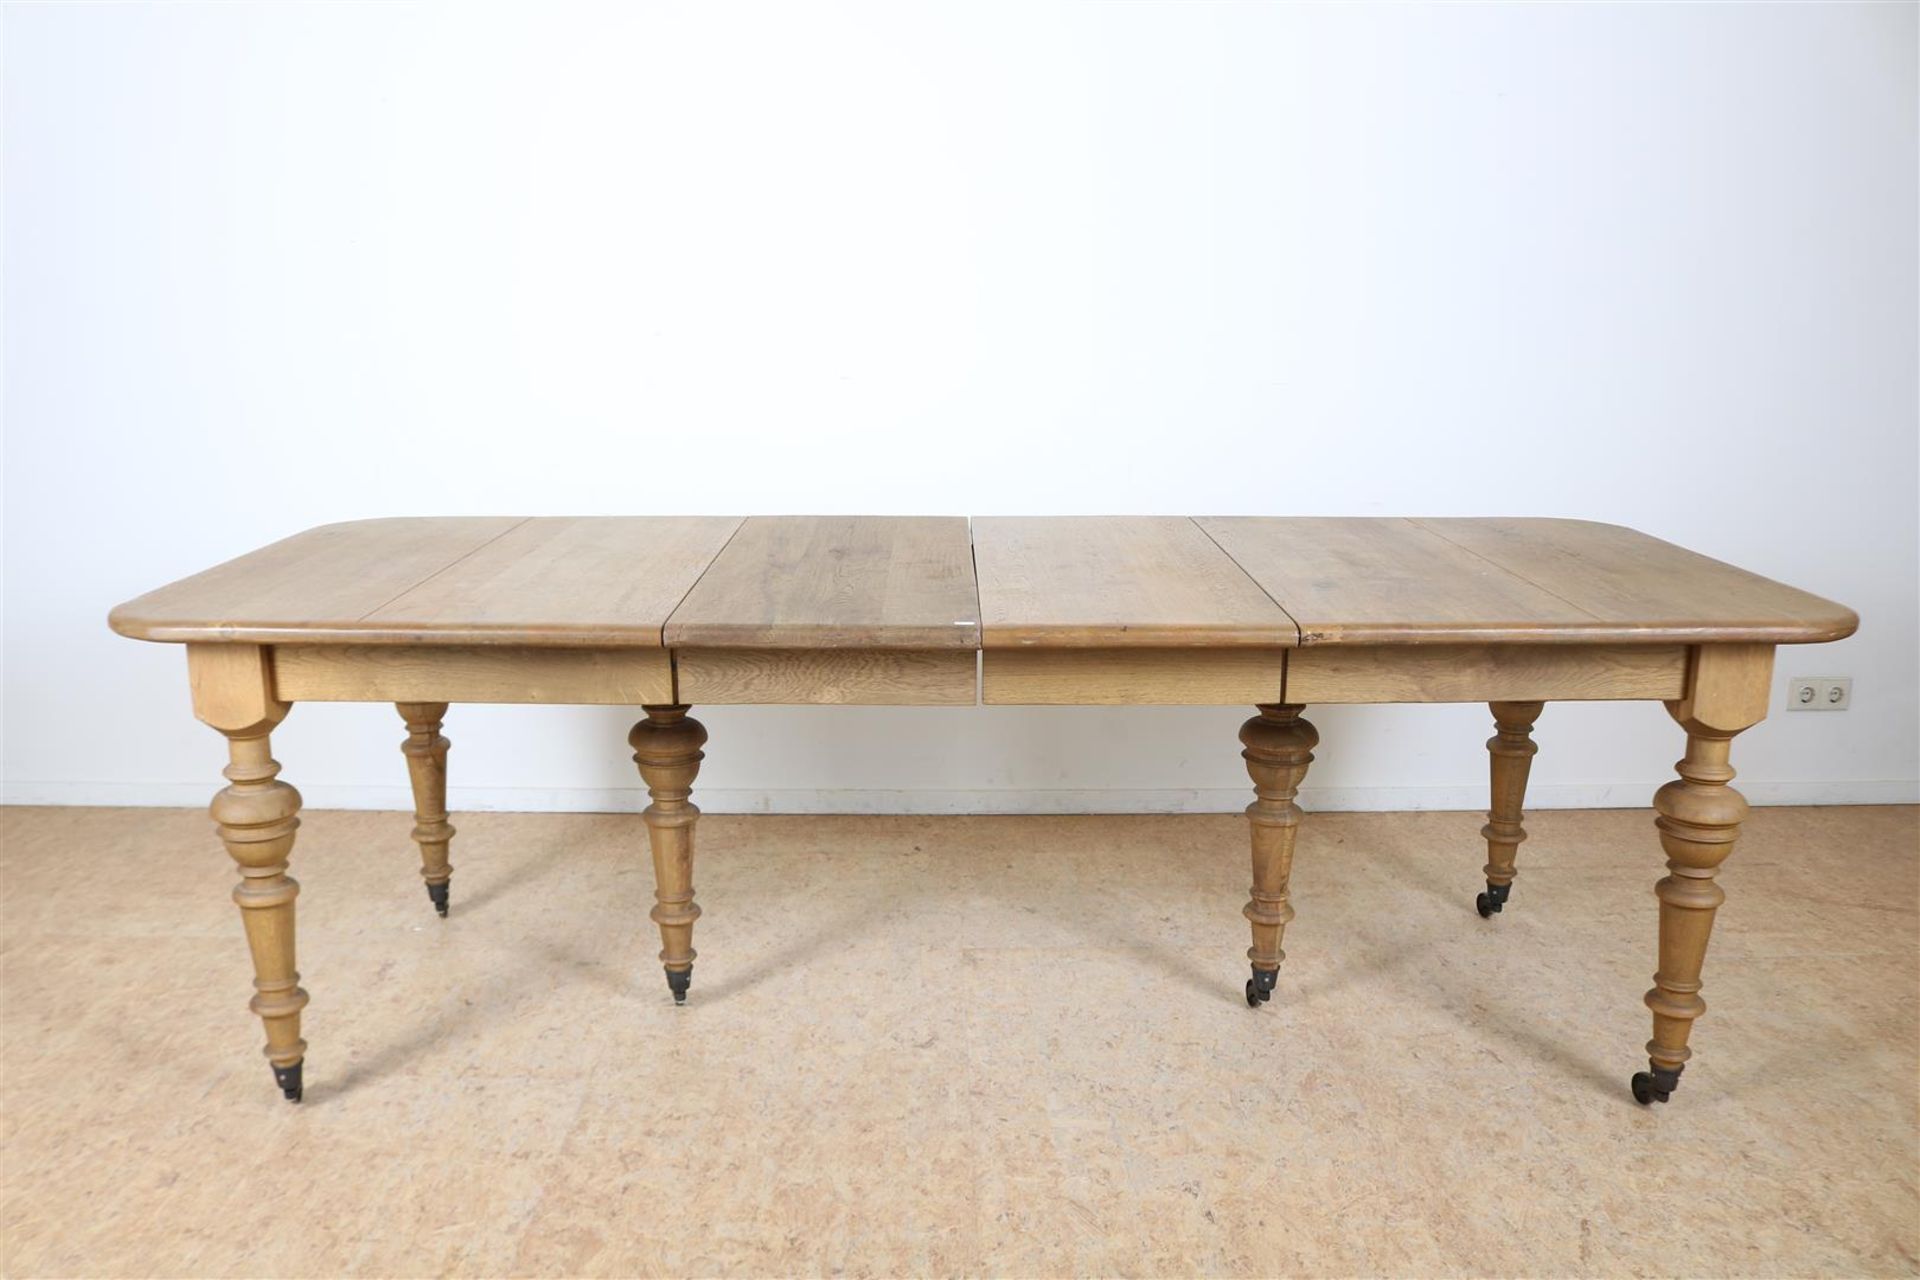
column 451, row 673
column 1485, row 673
column 1235, row 677
column 1314, row 675
column 827, row 677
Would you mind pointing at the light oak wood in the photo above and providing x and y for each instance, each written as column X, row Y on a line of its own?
column 232, row 688
column 835, row 582
column 860, row 677
column 666, row 747
column 314, row 587
column 1485, row 673
column 1699, row 821
column 1510, row 753
column 1103, row 582
column 256, row 816
column 425, row 673
column 1112, row 610
column 1729, row 686
column 1279, row 747
column 1648, row 589
column 1131, row 677
column 1373, row 581
column 601, row 581
column 595, row 582
column 426, row 753
column 1115, row 582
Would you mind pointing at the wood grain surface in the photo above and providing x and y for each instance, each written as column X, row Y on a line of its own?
column 836, row 582
column 910, row 583
column 625, row 676
column 1108, row 582
column 828, row 677
column 1384, row 581
column 310, row 586
column 1188, row 677
column 1380, row 580
column 1485, row 673
column 591, row 581
column 1646, row 588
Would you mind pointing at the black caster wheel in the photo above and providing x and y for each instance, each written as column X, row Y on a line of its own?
column 1654, row 1086
column 1484, row 905
column 288, row 1078
column 1260, row 987
column 677, row 982
column 438, row 894
column 1490, row 903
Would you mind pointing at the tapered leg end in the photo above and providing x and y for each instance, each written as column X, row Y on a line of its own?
column 439, row 893
column 288, row 1078
column 678, row 980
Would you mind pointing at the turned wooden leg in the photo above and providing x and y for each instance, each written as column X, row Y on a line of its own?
column 426, row 753
column 1279, row 747
column 666, row 746
column 1699, row 820
column 256, row 816
column 1509, row 757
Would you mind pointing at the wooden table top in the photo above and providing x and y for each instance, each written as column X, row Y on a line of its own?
column 886, row 582
column 835, row 582
column 1107, row 582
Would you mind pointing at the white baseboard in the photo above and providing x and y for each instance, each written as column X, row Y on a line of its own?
column 1596, row 795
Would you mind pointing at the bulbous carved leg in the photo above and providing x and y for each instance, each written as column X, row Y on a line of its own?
column 257, row 816
column 426, row 753
column 1728, row 689
column 666, row 746
column 1509, row 757
column 1699, row 821
column 1279, row 747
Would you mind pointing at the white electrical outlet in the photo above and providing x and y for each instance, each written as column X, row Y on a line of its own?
column 1819, row 693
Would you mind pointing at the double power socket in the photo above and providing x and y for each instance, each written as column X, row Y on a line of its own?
column 1819, row 693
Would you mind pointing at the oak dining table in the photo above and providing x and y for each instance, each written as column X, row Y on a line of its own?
column 666, row 613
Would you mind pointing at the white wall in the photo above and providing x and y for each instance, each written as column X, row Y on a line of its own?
column 271, row 266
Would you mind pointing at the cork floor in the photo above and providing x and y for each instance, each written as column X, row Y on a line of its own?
column 1006, row 1046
